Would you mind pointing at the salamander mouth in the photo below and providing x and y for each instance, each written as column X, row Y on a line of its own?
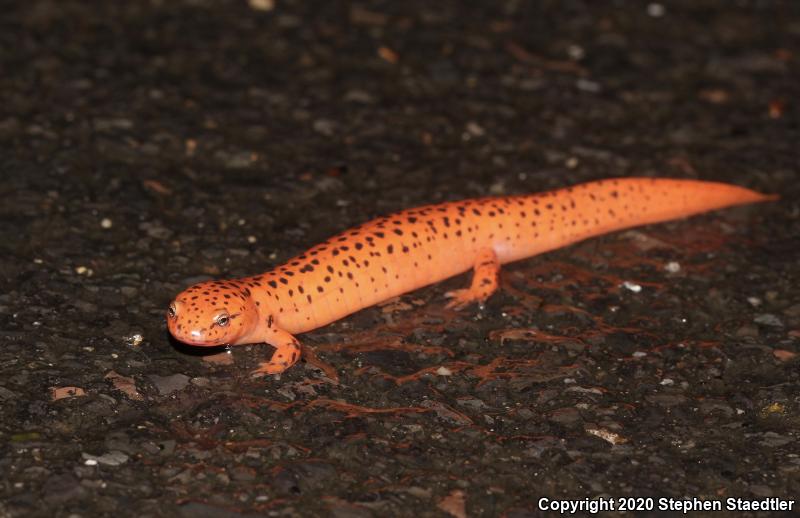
column 200, row 343
column 196, row 338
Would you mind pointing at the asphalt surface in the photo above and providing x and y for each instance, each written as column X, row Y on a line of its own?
column 147, row 145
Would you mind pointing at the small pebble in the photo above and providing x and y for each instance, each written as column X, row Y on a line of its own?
column 636, row 288
column 82, row 270
column 768, row 319
column 112, row 458
column 586, row 85
column 261, row 5
column 656, row 10
column 475, row 129
column 325, row 127
column 168, row 384
column 572, row 162
column 134, row 340
column 576, row 52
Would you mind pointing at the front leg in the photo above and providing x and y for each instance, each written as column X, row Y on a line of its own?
column 287, row 352
column 484, row 281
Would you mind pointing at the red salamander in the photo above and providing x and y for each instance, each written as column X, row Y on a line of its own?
column 399, row 253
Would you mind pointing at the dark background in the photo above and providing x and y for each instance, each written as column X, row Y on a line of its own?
column 145, row 145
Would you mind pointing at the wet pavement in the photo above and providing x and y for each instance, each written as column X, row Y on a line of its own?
column 145, row 146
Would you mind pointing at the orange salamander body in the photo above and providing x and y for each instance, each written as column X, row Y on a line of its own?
column 399, row 253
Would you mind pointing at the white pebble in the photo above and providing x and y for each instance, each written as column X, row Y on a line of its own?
column 673, row 267
column 576, row 52
column 106, row 223
column 134, row 339
column 636, row 288
column 262, row 5
column 82, row 270
column 572, row 162
column 475, row 129
column 754, row 301
column 656, row 10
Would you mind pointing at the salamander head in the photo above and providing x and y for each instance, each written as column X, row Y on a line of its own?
column 212, row 313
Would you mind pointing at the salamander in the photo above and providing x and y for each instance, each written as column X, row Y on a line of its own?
column 407, row 250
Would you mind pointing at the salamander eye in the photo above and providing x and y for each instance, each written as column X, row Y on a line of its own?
column 222, row 319
column 172, row 311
